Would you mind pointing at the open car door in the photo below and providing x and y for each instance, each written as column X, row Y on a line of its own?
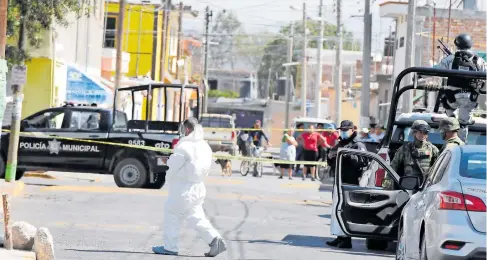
column 365, row 211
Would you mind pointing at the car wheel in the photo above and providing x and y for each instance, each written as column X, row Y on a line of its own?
column 130, row 173
column 422, row 251
column 376, row 244
column 401, row 245
column 244, row 168
column 159, row 182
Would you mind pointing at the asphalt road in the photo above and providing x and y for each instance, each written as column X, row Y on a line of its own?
column 260, row 218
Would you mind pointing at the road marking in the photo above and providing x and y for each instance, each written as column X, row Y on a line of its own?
column 14, row 189
column 224, row 196
column 300, row 185
column 103, row 189
column 212, row 180
column 98, row 226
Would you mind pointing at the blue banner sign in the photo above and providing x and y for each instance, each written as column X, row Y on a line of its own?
column 83, row 90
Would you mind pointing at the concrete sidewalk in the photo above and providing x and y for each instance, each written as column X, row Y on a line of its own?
column 16, row 254
column 13, row 189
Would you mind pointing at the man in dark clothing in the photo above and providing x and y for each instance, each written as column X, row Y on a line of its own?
column 351, row 169
column 257, row 134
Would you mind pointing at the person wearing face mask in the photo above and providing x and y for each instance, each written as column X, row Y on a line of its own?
column 413, row 158
column 189, row 164
column 352, row 169
column 449, row 128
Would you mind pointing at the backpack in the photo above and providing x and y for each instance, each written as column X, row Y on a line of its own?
column 464, row 60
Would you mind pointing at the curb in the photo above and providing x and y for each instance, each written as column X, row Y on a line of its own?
column 42, row 175
column 14, row 189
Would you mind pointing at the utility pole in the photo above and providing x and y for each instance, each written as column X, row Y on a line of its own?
column 166, row 12
column 162, row 67
column 338, row 65
column 304, row 65
column 319, row 67
column 208, row 15
column 288, row 75
column 3, row 27
column 367, row 52
column 118, row 62
column 407, row 105
column 17, row 87
column 180, row 36
column 449, row 20
column 267, row 88
column 3, row 88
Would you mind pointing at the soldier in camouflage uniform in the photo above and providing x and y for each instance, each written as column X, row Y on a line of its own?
column 413, row 158
column 449, row 128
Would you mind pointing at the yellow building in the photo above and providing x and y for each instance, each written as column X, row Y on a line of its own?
column 143, row 45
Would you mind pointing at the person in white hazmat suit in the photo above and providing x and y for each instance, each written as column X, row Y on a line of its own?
column 188, row 166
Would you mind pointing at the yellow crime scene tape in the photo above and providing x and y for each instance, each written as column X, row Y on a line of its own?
column 167, row 150
column 268, row 129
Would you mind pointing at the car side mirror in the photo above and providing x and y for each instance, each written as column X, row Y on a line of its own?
column 409, row 182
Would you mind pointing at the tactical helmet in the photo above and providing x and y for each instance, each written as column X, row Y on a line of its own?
column 449, row 124
column 463, row 41
column 420, row 125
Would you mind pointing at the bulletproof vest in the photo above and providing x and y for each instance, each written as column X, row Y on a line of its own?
column 464, row 60
column 422, row 155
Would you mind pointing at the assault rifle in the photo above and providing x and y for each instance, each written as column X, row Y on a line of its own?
column 444, row 48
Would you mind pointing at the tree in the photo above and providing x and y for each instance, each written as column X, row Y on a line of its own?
column 275, row 52
column 31, row 18
column 251, row 48
column 222, row 93
column 225, row 29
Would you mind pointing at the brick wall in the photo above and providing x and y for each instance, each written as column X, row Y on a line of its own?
column 475, row 27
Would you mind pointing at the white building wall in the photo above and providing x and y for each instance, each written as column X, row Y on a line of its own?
column 80, row 43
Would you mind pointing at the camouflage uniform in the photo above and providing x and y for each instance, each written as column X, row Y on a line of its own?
column 409, row 157
column 450, row 124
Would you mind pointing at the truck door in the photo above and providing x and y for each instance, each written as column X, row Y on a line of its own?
column 85, row 125
column 37, row 147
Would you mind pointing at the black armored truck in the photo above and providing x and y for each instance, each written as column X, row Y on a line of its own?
column 91, row 139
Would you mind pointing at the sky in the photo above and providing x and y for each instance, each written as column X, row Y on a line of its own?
column 269, row 15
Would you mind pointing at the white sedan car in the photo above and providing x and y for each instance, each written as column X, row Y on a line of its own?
column 446, row 217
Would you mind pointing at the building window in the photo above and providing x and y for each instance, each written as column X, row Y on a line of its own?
column 110, row 29
column 402, row 42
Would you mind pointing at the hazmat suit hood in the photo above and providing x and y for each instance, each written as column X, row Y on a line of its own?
column 191, row 158
column 194, row 136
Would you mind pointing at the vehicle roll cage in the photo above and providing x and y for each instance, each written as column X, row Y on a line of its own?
column 422, row 71
column 163, row 125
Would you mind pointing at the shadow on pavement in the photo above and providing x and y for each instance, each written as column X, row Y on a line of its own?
column 328, row 216
column 319, row 242
column 126, row 252
column 40, row 184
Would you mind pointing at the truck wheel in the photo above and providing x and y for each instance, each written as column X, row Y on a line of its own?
column 130, row 173
column 376, row 244
column 18, row 175
column 159, row 183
